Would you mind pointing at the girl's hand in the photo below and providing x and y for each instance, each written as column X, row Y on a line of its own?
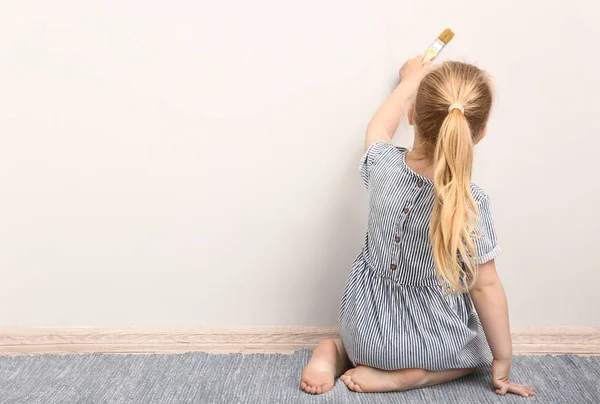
column 414, row 69
column 500, row 371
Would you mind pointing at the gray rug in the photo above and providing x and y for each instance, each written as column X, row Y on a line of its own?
column 237, row 378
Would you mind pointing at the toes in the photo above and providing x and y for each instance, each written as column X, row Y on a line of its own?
column 347, row 379
column 316, row 389
column 350, row 384
column 305, row 387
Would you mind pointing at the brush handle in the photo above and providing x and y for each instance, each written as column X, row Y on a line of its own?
column 429, row 55
column 433, row 51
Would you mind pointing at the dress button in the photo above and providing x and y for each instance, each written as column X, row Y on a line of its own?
column 393, row 267
column 419, row 184
column 397, row 239
column 405, row 210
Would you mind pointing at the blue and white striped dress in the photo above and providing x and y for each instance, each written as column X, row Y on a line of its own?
column 394, row 313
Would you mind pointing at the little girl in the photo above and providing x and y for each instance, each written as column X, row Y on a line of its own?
column 424, row 288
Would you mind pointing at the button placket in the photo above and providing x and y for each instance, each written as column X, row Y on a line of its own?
column 398, row 238
column 405, row 211
column 414, row 197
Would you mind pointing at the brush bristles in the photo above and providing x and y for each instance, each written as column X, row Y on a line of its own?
column 446, row 36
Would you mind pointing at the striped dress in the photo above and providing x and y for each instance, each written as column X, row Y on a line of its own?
column 394, row 314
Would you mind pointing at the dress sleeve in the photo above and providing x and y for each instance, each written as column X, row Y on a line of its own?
column 486, row 240
column 376, row 152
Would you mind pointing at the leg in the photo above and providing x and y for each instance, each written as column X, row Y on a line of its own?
column 370, row 380
column 329, row 360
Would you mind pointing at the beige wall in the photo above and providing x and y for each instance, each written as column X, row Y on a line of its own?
column 194, row 163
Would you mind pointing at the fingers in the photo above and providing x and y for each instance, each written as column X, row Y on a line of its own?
column 521, row 390
column 515, row 388
column 421, row 59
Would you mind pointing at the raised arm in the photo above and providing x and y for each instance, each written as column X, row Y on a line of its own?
column 384, row 123
column 491, row 305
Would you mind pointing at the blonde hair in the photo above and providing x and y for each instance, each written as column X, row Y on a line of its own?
column 451, row 135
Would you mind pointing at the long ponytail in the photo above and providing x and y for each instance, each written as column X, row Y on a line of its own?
column 455, row 211
column 450, row 132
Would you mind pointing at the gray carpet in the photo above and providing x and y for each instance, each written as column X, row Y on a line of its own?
column 237, row 378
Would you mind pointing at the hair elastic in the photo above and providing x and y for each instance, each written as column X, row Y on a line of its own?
column 456, row 106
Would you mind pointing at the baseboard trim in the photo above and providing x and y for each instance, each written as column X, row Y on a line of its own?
column 143, row 340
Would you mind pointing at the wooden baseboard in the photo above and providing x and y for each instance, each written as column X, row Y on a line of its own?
column 54, row 340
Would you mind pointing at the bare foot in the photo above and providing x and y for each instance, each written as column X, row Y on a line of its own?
column 328, row 361
column 364, row 379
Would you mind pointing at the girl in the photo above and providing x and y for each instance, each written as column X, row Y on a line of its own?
column 424, row 288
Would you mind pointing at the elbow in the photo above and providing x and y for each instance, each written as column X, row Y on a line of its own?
column 484, row 286
column 483, row 289
column 487, row 279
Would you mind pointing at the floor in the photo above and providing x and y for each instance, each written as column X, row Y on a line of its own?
column 262, row 378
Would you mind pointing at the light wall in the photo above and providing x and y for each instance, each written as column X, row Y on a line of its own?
column 195, row 163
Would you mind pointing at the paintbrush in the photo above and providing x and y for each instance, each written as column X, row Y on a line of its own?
column 438, row 44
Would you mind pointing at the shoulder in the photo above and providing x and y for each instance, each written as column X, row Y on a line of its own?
column 479, row 195
column 380, row 150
